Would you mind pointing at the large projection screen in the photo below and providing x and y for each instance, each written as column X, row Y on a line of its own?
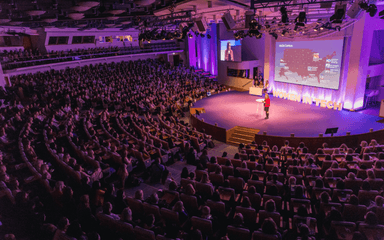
column 310, row 63
column 230, row 50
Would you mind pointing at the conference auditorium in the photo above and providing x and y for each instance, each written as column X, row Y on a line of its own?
column 191, row 120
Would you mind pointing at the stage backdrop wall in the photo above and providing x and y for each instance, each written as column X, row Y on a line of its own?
column 203, row 51
column 377, row 49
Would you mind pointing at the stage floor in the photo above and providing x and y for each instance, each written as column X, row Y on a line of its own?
column 230, row 109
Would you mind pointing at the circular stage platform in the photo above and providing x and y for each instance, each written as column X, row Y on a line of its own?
column 231, row 109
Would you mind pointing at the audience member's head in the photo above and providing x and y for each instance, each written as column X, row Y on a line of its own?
column 139, row 195
column 269, row 226
column 190, row 190
column 353, row 200
column 238, row 219
column 270, row 205
column 371, row 218
column 126, row 214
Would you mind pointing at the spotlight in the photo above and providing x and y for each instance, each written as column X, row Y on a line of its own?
column 274, row 35
column 253, row 24
column 186, row 29
column 169, row 36
column 208, row 36
column 315, row 29
column 202, row 35
column 177, row 35
column 253, row 33
column 371, row 8
column 163, row 34
column 197, row 33
column 284, row 15
column 283, row 33
column 190, row 35
column 238, row 35
column 339, row 15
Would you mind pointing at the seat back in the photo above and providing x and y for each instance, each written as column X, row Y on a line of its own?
column 376, row 184
column 361, row 173
column 236, row 163
column 261, row 174
column 342, row 194
column 379, row 173
column 276, row 199
column 367, row 164
column 216, row 179
column 296, row 203
column 326, row 207
column 249, row 215
column 372, row 232
column 212, row 167
column 238, row 233
column 152, row 209
column 184, row 182
column 123, row 228
column 227, row 170
column 354, row 185
column 243, row 156
column 251, row 165
column 317, row 191
column 169, row 216
column 311, row 223
column 204, row 189
column 366, row 197
column 259, row 185
column 143, row 234
column 256, row 235
column 227, row 192
column 204, row 225
column 325, row 165
column 199, row 174
column 217, row 208
column 244, row 173
column 255, row 199
column 274, row 215
column 380, row 214
column 136, row 207
column 339, row 172
column 236, row 183
column 190, row 202
column 221, row 160
column 344, row 230
column 353, row 213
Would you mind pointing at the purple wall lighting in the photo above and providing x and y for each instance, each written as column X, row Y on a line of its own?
column 203, row 51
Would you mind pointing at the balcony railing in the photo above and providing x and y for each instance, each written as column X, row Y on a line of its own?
column 74, row 57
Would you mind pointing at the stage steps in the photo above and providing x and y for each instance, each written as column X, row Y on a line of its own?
column 242, row 135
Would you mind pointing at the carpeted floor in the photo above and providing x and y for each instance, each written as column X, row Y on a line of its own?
column 230, row 109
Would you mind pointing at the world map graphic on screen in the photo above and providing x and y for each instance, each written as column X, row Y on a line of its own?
column 312, row 63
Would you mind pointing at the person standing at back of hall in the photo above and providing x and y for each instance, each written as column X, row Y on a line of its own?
column 267, row 104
